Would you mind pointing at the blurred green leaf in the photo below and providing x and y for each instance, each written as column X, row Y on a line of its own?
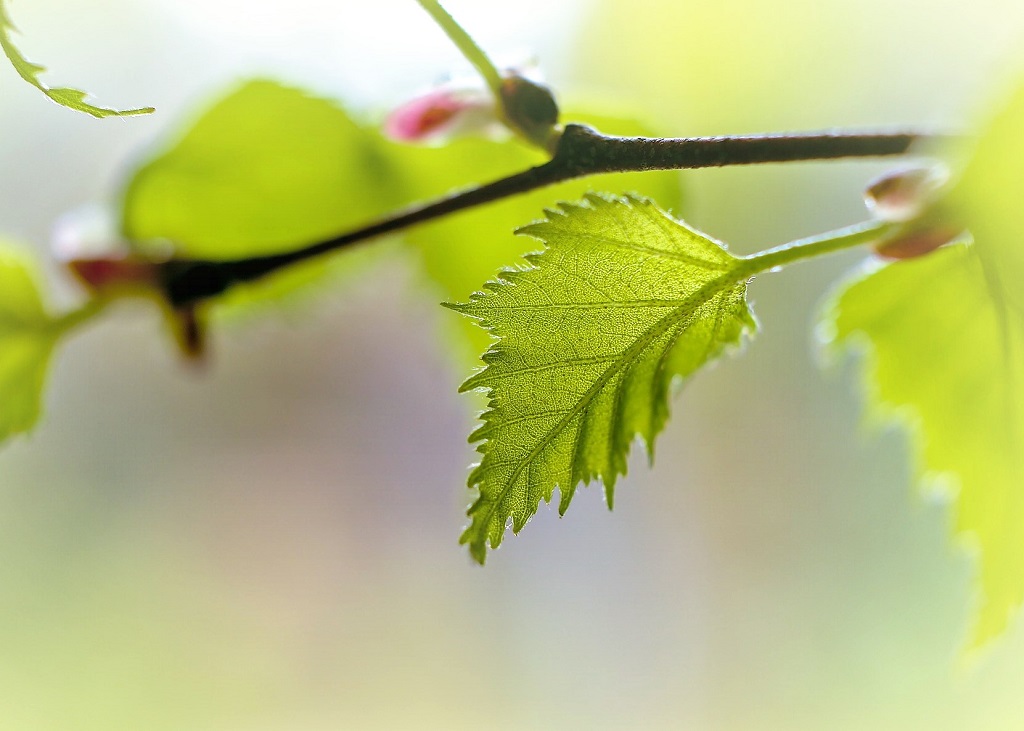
column 987, row 198
column 941, row 361
column 461, row 252
column 945, row 338
column 623, row 300
column 70, row 98
column 266, row 169
column 27, row 337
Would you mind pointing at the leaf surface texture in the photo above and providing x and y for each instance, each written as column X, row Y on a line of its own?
column 622, row 300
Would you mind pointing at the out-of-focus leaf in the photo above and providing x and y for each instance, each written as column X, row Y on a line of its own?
column 623, row 300
column 945, row 341
column 267, row 169
column 987, row 198
column 461, row 252
column 940, row 359
column 30, row 72
column 27, row 337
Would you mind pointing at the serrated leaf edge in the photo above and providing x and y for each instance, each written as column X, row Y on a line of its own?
column 508, row 276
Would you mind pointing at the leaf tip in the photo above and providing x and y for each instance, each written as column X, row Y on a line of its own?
column 474, row 541
column 478, row 551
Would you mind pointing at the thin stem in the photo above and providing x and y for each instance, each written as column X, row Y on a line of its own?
column 581, row 152
column 465, row 43
column 814, row 246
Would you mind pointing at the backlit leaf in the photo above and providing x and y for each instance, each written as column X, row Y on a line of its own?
column 622, row 301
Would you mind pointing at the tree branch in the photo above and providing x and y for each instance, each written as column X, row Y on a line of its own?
column 581, row 151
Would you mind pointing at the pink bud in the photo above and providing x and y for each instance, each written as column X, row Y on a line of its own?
column 441, row 113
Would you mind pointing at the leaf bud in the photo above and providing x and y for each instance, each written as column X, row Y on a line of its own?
column 530, row 108
column 909, row 196
column 905, row 194
column 918, row 242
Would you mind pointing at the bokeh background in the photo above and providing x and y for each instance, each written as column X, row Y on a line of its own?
column 269, row 543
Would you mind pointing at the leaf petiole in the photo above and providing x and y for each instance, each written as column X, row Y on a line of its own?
column 814, row 246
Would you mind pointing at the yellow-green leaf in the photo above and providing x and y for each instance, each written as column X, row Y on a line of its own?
column 944, row 337
column 623, row 300
column 940, row 358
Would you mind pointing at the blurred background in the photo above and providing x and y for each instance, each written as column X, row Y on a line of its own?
column 270, row 543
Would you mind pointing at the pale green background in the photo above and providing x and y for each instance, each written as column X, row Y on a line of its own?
column 270, row 544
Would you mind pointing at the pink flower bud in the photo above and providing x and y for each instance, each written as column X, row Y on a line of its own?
column 442, row 113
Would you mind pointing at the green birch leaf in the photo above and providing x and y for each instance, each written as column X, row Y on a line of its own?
column 27, row 337
column 30, row 72
column 944, row 337
column 622, row 301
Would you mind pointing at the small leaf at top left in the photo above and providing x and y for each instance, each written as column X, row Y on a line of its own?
column 71, row 98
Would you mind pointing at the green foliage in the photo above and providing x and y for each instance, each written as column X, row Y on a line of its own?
column 30, row 72
column 623, row 300
column 27, row 337
column 945, row 338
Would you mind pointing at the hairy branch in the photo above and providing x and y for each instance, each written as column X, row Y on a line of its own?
column 581, row 151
